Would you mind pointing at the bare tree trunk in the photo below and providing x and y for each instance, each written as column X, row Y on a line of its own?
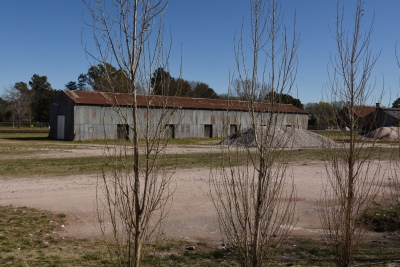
column 352, row 176
column 253, row 216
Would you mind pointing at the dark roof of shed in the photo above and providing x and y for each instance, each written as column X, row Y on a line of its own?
column 122, row 99
column 393, row 112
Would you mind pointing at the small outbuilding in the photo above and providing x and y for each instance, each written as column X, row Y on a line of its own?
column 360, row 114
column 370, row 118
column 382, row 117
column 83, row 115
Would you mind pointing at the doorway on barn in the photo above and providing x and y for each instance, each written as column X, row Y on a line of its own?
column 208, row 130
column 122, row 131
column 60, row 127
column 232, row 129
column 169, row 131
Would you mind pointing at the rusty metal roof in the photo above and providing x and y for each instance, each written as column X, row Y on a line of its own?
column 157, row 101
column 362, row 111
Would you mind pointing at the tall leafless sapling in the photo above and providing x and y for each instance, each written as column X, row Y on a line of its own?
column 395, row 171
column 255, row 200
column 136, row 189
column 353, row 178
column 395, row 160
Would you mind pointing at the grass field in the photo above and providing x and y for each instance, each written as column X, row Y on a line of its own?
column 16, row 145
column 30, row 237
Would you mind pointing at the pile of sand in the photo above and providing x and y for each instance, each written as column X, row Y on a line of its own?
column 385, row 133
column 281, row 137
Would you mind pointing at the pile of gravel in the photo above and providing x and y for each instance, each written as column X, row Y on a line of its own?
column 279, row 137
column 385, row 133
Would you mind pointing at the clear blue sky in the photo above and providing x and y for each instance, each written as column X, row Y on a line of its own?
column 44, row 37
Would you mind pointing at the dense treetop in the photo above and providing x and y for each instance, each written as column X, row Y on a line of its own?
column 396, row 103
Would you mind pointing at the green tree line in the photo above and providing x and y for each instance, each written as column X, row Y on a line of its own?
column 27, row 101
column 31, row 101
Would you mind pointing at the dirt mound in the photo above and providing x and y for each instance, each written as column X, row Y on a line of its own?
column 283, row 137
column 385, row 133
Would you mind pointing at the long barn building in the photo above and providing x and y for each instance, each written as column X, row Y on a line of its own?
column 82, row 115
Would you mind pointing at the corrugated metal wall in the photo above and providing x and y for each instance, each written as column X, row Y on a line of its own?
column 62, row 106
column 95, row 122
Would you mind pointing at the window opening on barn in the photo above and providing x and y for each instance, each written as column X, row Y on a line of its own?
column 123, row 131
column 208, row 130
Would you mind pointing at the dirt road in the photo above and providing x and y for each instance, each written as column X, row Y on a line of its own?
column 192, row 215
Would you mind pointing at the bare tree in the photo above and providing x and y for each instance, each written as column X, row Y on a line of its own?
column 352, row 176
column 395, row 172
column 395, row 159
column 19, row 98
column 254, row 200
column 242, row 90
column 136, row 188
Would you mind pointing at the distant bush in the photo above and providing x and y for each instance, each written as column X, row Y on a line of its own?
column 382, row 219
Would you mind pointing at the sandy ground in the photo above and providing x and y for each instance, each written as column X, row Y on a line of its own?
column 192, row 215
